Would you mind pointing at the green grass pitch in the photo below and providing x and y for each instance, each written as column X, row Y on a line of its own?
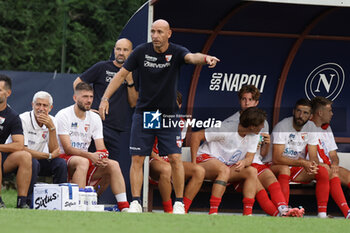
column 37, row 221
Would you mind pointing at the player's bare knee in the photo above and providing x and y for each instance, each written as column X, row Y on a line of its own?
column 224, row 172
column 199, row 172
column 175, row 159
column 25, row 158
column 165, row 171
column 165, row 175
column 113, row 166
column 176, row 164
column 82, row 165
column 251, row 171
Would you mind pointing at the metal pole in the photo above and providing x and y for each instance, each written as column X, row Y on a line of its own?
column 146, row 163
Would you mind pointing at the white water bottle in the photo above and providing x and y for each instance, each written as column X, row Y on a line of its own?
column 94, row 198
column 91, row 197
column 82, row 199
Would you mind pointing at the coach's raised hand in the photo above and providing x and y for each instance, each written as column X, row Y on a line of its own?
column 211, row 61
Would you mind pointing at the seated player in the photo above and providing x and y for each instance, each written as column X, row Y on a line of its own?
column 226, row 155
column 13, row 157
column 327, row 151
column 249, row 97
column 291, row 138
column 76, row 126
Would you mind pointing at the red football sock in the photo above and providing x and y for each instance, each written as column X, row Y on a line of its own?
column 338, row 195
column 187, row 203
column 265, row 203
column 349, row 185
column 123, row 205
column 168, row 206
column 214, row 204
column 322, row 189
column 276, row 194
column 284, row 183
column 248, row 205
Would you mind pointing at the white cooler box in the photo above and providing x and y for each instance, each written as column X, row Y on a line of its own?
column 56, row 196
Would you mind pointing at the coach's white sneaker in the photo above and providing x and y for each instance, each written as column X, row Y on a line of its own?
column 135, row 207
column 178, row 208
column 324, row 215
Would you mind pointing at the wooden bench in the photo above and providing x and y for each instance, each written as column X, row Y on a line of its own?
column 296, row 190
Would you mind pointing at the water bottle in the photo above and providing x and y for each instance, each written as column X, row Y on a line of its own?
column 88, row 192
column 82, row 199
column 91, row 197
column 94, row 198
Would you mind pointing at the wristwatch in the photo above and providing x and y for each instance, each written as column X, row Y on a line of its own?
column 130, row 85
column 50, row 157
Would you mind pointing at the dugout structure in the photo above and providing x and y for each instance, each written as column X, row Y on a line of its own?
column 287, row 49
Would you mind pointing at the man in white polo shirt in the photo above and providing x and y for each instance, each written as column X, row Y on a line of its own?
column 40, row 139
column 77, row 127
column 327, row 151
column 292, row 138
column 226, row 155
column 249, row 96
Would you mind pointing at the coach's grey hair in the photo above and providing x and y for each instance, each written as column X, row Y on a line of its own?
column 43, row 95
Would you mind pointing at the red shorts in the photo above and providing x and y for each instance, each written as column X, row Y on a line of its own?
column 203, row 158
column 260, row 167
column 166, row 159
column 91, row 171
column 294, row 172
column 238, row 186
